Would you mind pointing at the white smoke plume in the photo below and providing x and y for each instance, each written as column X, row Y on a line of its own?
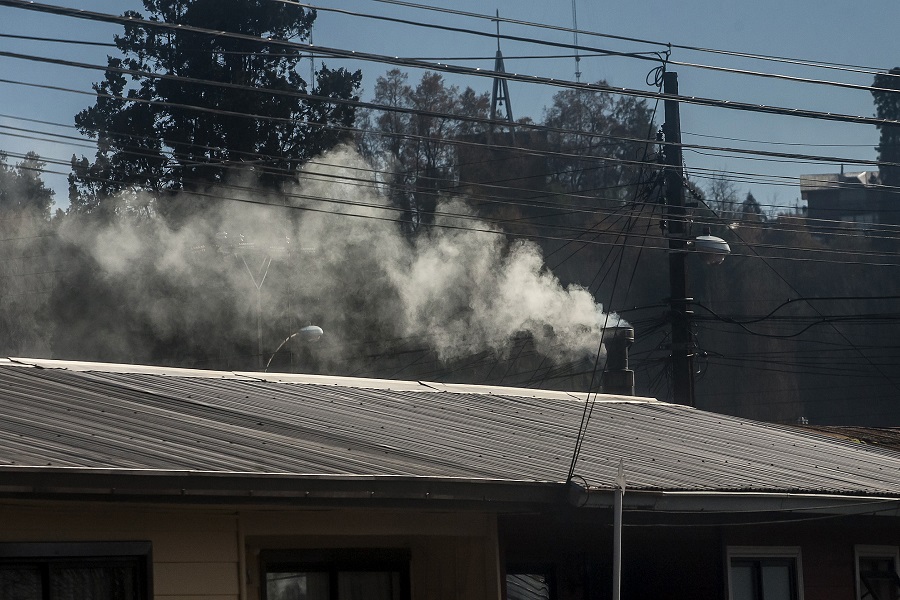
column 339, row 259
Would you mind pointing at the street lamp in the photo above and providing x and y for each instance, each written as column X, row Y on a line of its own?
column 310, row 333
column 712, row 249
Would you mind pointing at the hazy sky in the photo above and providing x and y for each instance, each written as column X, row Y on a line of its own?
column 802, row 29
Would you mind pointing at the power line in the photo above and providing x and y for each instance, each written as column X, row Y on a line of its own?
column 805, row 144
column 381, row 107
column 550, row 206
column 667, row 45
column 34, row 38
column 648, row 221
column 835, row 329
column 384, row 59
column 829, row 158
column 600, row 52
column 792, row 180
column 790, row 156
column 826, row 251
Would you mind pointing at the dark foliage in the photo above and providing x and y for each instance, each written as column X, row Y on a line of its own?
column 26, row 265
column 182, row 109
column 418, row 145
column 887, row 106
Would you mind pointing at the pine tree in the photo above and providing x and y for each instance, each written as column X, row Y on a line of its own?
column 886, row 93
column 182, row 109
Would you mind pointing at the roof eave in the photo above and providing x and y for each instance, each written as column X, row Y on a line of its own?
column 710, row 502
column 198, row 487
column 138, row 485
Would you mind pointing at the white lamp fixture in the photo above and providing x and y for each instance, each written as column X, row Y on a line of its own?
column 312, row 333
column 712, row 248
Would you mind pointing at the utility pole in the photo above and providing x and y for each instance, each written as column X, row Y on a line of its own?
column 679, row 304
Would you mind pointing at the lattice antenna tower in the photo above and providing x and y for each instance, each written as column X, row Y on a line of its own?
column 501, row 108
column 312, row 62
column 579, row 91
column 575, row 34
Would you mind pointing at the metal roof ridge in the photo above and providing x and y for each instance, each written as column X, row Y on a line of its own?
column 104, row 367
column 439, row 387
column 340, row 381
column 331, row 380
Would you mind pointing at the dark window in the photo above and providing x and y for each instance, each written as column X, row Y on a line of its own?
column 878, row 578
column 763, row 578
column 527, row 586
column 336, row 574
column 75, row 571
column 529, row 582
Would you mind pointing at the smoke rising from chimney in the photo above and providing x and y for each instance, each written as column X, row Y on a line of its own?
column 339, row 259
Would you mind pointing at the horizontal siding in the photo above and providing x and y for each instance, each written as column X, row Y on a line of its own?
column 372, row 523
column 182, row 597
column 182, row 535
column 195, row 549
column 195, row 578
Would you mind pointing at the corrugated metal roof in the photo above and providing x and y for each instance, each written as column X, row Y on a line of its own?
column 884, row 437
column 123, row 417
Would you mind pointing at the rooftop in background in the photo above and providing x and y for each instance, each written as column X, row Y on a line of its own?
column 837, row 199
column 877, row 437
column 829, row 181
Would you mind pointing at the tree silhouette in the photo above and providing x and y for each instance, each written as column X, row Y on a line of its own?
column 886, row 93
column 602, row 141
column 182, row 109
column 417, row 144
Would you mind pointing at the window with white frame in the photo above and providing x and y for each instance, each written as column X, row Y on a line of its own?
column 764, row 573
column 876, row 572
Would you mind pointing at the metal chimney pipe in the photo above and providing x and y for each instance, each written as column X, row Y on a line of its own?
column 618, row 378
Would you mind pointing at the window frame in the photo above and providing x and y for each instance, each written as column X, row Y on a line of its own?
column 334, row 561
column 46, row 554
column 763, row 553
column 873, row 551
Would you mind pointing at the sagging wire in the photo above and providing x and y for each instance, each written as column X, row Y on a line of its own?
column 658, row 73
column 784, row 280
column 589, row 405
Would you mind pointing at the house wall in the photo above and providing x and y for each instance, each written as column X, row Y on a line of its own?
column 827, row 548
column 852, row 202
column 197, row 551
column 683, row 557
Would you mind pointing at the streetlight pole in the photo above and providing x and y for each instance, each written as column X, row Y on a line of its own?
column 679, row 303
column 263, row 271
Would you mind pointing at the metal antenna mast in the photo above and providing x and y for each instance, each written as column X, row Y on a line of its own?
column 575, row 33
column 500, row 93
column 312, row 62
